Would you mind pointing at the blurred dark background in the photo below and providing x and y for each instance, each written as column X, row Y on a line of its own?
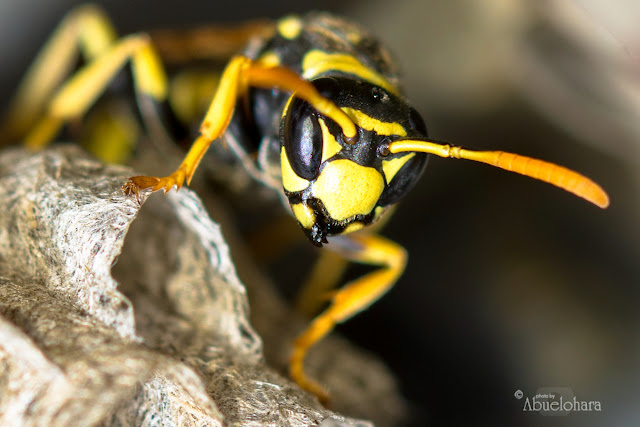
column 512, row 284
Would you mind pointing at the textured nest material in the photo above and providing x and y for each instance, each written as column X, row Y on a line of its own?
column 169, row 342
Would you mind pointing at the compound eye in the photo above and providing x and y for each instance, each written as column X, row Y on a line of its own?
column 416, row 123
column 404, row 180
column 302, row 139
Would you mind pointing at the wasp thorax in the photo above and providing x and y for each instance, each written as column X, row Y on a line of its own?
column 336, row 186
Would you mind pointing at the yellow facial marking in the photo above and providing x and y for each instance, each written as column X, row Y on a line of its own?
column 391, row 167
column 290, row 27
column 290, row 181
column 348, row 189
column 269, row 59
column 370, row 123
column 354, row 226
column 316, row 62
column 330, row 146
column 304, row 215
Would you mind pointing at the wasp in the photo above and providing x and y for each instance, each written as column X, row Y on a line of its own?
column 313, row 107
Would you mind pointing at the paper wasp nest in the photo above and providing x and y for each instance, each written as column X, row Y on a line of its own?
column 169, row 342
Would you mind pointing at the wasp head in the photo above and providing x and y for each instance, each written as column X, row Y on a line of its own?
column 337, row 185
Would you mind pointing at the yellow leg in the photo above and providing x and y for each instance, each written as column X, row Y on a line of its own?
column 351, row 299
column 78, row 94
column 86, row 29
column 240, row 73
column 111, row 131
column 326, row 274
column 324, row 277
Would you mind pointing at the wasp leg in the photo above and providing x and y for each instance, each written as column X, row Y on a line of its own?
column 238, row 76
column 86, row 29
column 351, row 299
column 325, row 275
column 216, row 43
column 76, row 96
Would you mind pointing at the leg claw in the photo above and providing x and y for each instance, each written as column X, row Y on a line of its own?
column 168, row 182
column 137, row 183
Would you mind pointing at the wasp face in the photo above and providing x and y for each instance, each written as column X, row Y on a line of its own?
column 335, row 186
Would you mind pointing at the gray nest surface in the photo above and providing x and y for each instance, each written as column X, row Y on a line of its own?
column 167, row 343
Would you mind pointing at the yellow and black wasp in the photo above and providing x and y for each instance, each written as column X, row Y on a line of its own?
column 311, row 105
